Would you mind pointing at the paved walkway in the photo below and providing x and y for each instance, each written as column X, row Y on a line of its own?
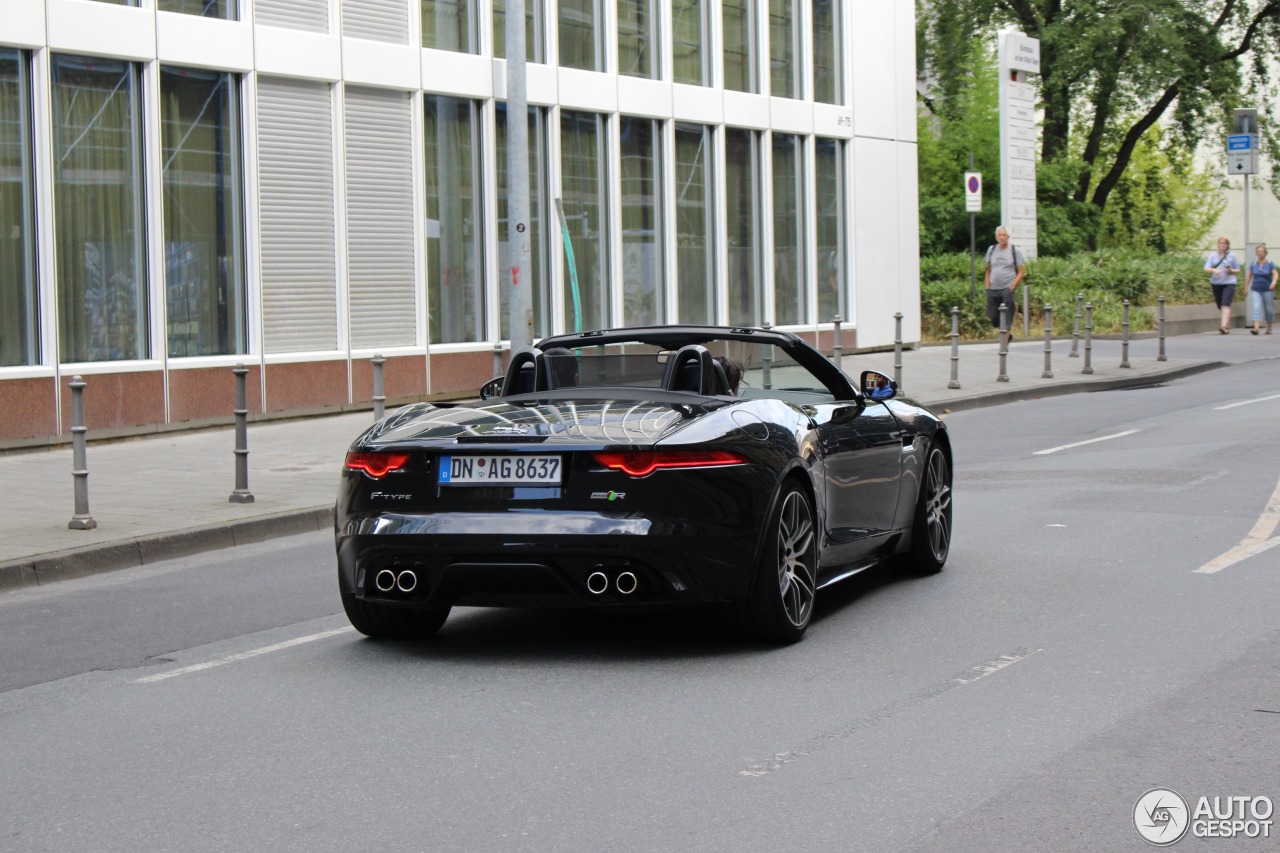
column 164, row 496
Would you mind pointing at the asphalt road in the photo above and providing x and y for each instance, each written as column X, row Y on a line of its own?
column 1069, row 658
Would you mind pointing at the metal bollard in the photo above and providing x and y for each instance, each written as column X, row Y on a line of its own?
column 1161, row 356
column 837, row 351
column 1088, row 338
column 1075, row 329
column 241, row 495
column 897, row 348
column 379, row 397
column 1124, row 336
column 955, row 348
column 766, row 363
column 1048, row 343
column 82, row 520
column 1004, row 343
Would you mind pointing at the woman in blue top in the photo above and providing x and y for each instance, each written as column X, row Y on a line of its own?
column 1222, row 267
column 1261, row 281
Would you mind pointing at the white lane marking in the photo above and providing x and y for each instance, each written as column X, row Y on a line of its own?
column 779, row 760
column 265, row 650
column 1259, row 538
column 1083, row 443
column 1247, row 402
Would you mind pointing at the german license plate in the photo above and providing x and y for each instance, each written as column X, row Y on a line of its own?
column 499, row 471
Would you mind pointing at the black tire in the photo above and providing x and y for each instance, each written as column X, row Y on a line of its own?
column 931, row 524
column 780, row 604
column 384, row 622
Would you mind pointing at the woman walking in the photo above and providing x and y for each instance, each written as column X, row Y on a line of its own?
column 1261, row 281
column 1222, row 267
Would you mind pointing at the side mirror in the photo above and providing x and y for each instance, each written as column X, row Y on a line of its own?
column 492, row 388
column 877, row 386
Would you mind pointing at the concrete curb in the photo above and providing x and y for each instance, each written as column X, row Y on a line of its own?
column 140, row 551
column 1013, row 395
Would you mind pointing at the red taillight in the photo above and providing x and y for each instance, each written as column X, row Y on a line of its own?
column 376, row 464
column 642, row 463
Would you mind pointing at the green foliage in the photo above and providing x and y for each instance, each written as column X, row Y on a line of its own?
column 1163, row 203
column 1105, row 279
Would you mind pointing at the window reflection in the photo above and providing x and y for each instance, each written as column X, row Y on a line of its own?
column 695, row 240
column 533, row 40
column 450, row 25
column 580, row 35
column 18, row 311
column 538, row 276
column 455, row 259
column 102, row 309
column 829, row 181
column 225, row 9
column 784, row 48
column 643, row 300
column 738, row 17
column 690, row 37
column 826, row 52
column 586, row 266
column 637, row 40
column 790, row 305
column 204, row 279
column 742, row 196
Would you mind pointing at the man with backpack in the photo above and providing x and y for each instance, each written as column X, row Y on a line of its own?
column 1006, row 267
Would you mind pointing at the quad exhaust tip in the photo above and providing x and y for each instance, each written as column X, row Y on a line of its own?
column 406, row 581
column 385, row 580
column 597, row 583
column 626, row 583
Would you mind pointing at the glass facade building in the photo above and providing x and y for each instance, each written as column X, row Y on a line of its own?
column 186, row 186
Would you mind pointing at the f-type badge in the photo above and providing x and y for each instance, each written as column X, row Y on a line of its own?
column 608, row 496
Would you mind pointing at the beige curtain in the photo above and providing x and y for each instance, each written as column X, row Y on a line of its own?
column 17, row 236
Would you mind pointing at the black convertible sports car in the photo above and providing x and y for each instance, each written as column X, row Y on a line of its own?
column 644, row 467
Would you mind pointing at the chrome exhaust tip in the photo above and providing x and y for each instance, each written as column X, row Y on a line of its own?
column 597, row 583
column 406, row 581
column 385, row 580
column 626, row 583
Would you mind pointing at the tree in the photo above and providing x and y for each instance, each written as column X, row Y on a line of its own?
column 1110, row 72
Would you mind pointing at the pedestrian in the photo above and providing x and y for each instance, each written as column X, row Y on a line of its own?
column 1006, row 267
column 1261, row 281
column 1222, row 267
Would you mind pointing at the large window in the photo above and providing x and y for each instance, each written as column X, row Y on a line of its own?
column 205, row 8
column 97, row 156
column 583, row 155
column 790, row 305
column 691, row 40
column 695, row 225
column 740, row 54
column 742, row 206
column 534, row 50
column 18, row 317
column 538, row 276
column 637, row 38
column 450, row 25
column 784, row 48
column 832, row 217
column 642, row 263
column 826, row 51
column 581, row 44
column 455, row 236
column 203, row 242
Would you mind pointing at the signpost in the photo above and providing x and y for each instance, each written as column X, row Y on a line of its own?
column 1242, row 147
column 973, row 204
column 1019, row 57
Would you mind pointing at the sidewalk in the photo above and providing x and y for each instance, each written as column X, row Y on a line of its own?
column 163, row 496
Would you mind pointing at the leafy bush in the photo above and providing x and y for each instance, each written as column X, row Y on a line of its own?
column 1104, row 279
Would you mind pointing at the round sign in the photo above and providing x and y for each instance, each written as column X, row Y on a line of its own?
column 973, row 184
